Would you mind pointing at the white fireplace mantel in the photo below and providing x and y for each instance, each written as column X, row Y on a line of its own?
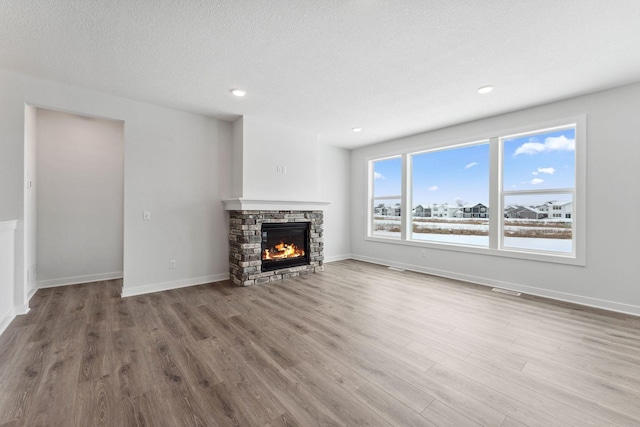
column 241, row 204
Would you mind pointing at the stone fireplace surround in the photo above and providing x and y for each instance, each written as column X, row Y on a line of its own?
column 245, row 244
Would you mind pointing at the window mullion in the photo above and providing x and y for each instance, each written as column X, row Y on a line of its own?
column 405, row 201
column 370, row 199
column 495, row 194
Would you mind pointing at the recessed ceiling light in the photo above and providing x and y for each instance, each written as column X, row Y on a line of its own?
column 239, row 92
column 357, row 129
column 485, row 89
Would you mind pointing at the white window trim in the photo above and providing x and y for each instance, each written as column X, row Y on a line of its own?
column 496, row 196
column 371, row 199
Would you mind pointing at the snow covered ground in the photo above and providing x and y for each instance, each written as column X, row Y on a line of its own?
column 453, row 238
column 554, row 245
column 451, row 226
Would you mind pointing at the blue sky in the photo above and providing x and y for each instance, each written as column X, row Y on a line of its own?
column 455, row 176
column 541, row 161
column 440, row 176
column 387, row 177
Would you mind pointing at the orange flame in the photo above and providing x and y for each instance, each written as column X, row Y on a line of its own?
column 283, row 250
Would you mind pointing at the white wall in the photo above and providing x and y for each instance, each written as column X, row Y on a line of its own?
column 237, row 170
column 30, row 200
column 333, row 179
column 268, row 145
column 173, row 164
column 610, row 278
column 80, row 198
column 7, row 273
column 175, row 172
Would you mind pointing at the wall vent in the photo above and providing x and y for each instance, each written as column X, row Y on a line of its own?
column 506, row 291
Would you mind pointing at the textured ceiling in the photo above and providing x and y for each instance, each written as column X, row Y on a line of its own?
column 391, row 67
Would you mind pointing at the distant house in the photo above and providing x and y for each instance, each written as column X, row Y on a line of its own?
column 475, row 211
column 509, row 211
column 387, row 211
column 557, row 210
column 524, row 212
column 440, row 210
column 421, row 211
column 455, row 212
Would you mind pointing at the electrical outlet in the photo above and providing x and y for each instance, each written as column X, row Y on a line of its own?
column 278, row 169
column 172, row 264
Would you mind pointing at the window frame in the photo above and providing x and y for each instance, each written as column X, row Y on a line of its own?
column 496, row 194
column 371, row 197
column 556, row 211
column 409, row 178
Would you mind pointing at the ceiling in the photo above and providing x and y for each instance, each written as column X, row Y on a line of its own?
column 393, row 68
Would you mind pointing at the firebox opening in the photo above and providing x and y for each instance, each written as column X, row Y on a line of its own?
column 284, row 245
column 283, row 251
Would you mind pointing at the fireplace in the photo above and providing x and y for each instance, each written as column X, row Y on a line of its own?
column 284, row 245
column 268, row 245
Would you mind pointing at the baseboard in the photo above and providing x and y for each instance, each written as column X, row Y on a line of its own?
column 545, row 293
column 8, row 318
column 337, row 258
column 21, row 309
column 32, row 292
column 176, row 284
column 52, row 283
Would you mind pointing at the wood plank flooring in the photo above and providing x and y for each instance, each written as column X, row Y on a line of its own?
column 357, row 344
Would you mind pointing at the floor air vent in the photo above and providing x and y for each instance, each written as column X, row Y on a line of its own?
column 506, row 291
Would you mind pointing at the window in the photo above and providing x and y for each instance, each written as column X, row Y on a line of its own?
column 539, row 171
column 386, row 201
column 514, row 194
column 455, row 183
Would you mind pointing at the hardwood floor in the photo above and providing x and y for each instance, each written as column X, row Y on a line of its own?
column 357, row 344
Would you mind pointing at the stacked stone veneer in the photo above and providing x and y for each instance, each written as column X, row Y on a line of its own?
column 245, row 245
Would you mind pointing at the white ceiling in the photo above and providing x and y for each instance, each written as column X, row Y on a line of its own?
column 392, row 67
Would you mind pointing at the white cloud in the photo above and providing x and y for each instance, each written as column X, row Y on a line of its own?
column 433, row 188
column 470, row 165
column 536, row 181
column 534, row 173
column 559, row 143
column 550, row 171
column 378, row 175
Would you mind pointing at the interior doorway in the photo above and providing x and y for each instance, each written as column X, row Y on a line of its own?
column 74, row 201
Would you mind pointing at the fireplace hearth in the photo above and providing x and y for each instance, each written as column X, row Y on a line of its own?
column 273, row 245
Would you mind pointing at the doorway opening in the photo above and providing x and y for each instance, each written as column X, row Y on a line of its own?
column 74, row 199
